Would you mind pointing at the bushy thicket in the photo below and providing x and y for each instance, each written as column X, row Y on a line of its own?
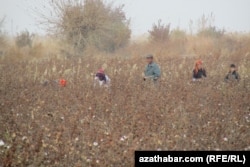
column 160, row 32
column 24, row 39
column 92, row 23
column 211, row 32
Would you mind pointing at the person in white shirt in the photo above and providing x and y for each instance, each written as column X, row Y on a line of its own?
column 102, row 79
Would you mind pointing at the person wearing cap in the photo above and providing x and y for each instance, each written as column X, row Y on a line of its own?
column 232, row 74
column 199, row 72
column 152, row 70
column 102, row 78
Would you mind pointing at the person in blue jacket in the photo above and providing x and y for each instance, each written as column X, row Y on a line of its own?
column 152, row 70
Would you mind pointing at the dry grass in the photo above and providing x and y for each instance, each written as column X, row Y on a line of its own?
column 82, row 126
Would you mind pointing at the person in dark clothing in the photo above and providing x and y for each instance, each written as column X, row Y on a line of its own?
column 102, row 78
column 232, row 74
column 199, row 72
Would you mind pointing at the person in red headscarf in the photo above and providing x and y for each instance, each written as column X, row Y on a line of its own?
column 102, row 78
column 199, row 72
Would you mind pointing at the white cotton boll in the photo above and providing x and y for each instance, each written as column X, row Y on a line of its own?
column 45, row 72
column 1, row 143
column 134, row 67
column 247, row 148
column 24, row 138
column 123, row 138
column 67, row 72
column 53, row 69
column 95, row 144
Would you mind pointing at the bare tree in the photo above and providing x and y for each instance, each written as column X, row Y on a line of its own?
column 90, row 23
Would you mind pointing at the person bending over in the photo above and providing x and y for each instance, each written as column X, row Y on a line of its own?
column 232, row 75
column 102, row 79
column 199, row 72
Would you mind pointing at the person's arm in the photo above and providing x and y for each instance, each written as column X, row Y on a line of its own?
column 194, row 77
column 226, row 78
column 107, row 79
column 157, row 72
column 204, row 73
column 238, row 76
column 145, row 72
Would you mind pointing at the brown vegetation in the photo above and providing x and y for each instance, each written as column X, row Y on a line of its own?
column 82, row 126
column 43, row 124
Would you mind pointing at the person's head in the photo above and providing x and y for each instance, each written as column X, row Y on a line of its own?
column 198, row 64
column 232, row 68
column 100, row 71
column 149, row 58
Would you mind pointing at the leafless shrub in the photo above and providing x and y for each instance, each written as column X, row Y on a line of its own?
column 160, row 32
